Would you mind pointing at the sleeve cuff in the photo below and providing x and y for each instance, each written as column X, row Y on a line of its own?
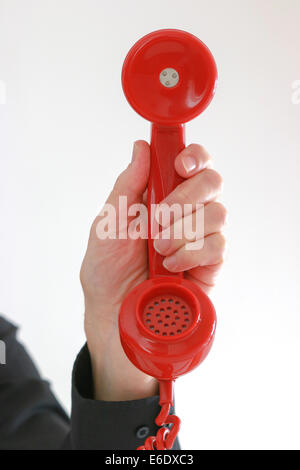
column 107, row 425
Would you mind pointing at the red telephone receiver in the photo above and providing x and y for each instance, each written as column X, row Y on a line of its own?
column 167, row 323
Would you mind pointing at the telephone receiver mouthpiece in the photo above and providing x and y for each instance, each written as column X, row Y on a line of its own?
column 167, row 323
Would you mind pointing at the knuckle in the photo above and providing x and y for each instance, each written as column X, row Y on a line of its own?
column 182, row 195
column 213, row 178
column 185, row 196
column 199, row 151
column 220, row 243
column 219, row 212
column 196, row 148
column 218, row 247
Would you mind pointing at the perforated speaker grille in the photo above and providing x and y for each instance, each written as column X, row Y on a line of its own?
column 167, row 315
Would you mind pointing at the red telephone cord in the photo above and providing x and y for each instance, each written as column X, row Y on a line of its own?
column 165, row 437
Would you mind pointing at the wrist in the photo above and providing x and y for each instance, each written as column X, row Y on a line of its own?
column 115, row 377
column 125, row 386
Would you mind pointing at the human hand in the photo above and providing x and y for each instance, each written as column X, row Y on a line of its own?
column 113, row 267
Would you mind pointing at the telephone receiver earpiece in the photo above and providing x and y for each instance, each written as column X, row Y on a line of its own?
column 169, row 77
column 167, row 323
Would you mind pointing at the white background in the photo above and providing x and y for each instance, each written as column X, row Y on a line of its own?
column 65, row 134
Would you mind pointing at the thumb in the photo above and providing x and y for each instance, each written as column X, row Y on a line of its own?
column 133, row 181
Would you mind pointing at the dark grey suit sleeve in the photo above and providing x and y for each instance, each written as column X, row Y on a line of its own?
column 32, row 418
column 30, row 415
column 108, row 425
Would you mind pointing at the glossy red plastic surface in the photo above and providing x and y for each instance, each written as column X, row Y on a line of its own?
column 166, row 143
column 174, row 341
column 167, row 357
column 189, row 57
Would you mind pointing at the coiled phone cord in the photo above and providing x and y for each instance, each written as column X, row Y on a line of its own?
column 165, row 437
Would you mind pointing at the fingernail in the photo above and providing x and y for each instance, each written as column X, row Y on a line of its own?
column 134, row 151
column 170, row 263
column 161, row 246
column 189, row 163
